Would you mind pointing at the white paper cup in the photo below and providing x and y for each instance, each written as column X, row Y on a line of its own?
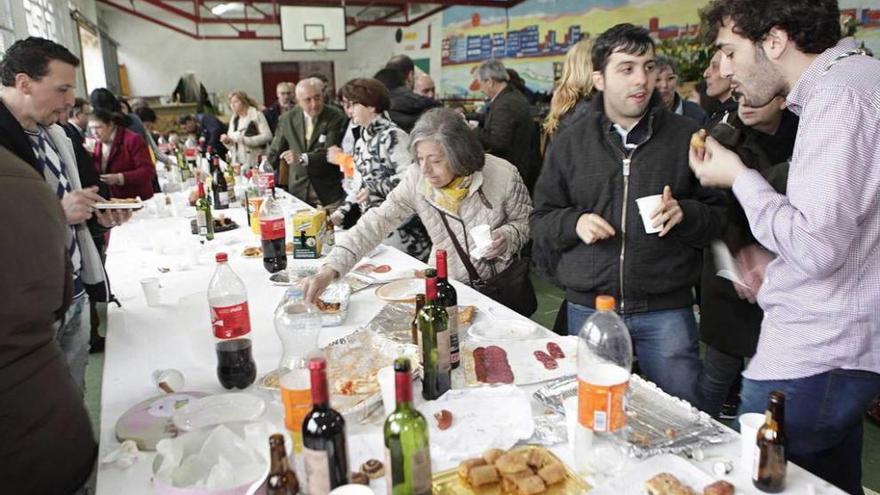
column 353, row 489
column 482, row 235
column 647, row 205
column 151, row 290
column 749, row 423
column 386, row 384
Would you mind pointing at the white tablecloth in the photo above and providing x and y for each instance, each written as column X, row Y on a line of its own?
column 177, row 334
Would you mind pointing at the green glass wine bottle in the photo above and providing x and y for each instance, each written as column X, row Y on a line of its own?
column 406, row 440
column 434, row 329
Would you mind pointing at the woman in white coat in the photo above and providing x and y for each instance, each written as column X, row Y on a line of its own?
column 248, row 133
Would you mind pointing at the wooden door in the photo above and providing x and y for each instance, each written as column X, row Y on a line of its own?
column 276, row 72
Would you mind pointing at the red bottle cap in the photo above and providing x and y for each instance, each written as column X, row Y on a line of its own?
column 222, row 258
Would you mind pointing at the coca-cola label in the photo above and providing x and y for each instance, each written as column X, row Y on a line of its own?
column 272, row 229
column 231, row 322
column 267, row 180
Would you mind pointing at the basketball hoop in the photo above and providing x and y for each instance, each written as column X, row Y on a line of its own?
column 319, row 45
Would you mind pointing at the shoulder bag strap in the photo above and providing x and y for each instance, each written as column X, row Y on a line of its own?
column 473, row 275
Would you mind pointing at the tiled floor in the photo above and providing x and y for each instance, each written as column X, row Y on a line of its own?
column 549, row 298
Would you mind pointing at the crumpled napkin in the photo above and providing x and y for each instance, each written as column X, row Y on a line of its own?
column 482, row 418
column 215, row 459
column 123, row 456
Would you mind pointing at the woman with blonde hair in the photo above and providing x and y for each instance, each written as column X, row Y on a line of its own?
column 249, row 131
column 575, row 87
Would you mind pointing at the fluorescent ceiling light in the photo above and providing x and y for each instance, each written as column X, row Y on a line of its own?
column 223, row 8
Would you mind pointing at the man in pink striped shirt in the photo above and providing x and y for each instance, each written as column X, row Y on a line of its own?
column 820, row 337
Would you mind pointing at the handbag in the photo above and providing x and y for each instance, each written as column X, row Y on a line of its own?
column 512, row 287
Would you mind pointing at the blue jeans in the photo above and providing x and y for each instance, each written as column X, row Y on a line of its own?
column 823, row 420
column 73, row 333
column 720, row 371
column 666, row 343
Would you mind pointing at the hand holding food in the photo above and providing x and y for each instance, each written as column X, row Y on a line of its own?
column 78, row 205
column 315, row 285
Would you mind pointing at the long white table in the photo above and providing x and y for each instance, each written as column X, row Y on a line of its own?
column 177, row 334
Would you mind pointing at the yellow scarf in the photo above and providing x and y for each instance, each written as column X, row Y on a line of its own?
column 450, row 196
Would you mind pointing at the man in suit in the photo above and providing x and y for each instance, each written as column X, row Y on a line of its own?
column 298, row 152
column 508, row 130
column 284, row 91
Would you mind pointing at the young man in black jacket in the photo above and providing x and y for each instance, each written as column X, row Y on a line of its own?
column 627, row 147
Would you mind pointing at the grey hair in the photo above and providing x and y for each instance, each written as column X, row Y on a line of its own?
column 312, row 82
column 494, row 70
column 448, row 129
column 662, row 61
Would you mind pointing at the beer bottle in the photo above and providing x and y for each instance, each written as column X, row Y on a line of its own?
column 281, row 480
column 768, row 473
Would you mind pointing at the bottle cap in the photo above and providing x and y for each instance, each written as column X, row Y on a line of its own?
column 402, row 364
column 222, row 258
column 317, row 364
column 604, row 303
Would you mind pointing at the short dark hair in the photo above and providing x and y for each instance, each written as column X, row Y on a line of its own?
column 31, row 56
column 79, row 105
column 146, row 114
column 402, row 64
column 391, row 78
column 183, row 119
column 814, row 25
column 662, row 61
column 104, row 99
column 108, row 117
column 367, row 92
column 626, row 38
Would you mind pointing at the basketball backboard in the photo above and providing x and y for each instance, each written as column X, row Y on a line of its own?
column 312, row 28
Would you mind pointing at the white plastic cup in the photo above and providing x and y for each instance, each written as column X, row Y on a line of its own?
column 191, row 253
column 647, row 206
column 482, row 235
column 151, row 290
column 353, row 489
column 386, row 385
column 749, row 423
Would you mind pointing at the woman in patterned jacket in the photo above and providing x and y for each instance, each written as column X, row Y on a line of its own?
column 454, row 180
column 381, row 158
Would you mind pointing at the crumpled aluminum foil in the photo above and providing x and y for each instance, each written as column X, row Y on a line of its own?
column 657, row 423
column 550, row 429
column 394, row 322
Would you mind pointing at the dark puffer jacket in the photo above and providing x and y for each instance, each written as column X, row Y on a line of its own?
column 584, row 172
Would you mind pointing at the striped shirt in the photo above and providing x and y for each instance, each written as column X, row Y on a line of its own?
column 821, row 295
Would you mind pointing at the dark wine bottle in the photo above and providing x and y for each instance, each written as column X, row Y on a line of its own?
column 218, row 185
column 448, row 298
column 416, row 337
column 325, row 453
column 768, row 474
column 406, row 440
column 434, row 329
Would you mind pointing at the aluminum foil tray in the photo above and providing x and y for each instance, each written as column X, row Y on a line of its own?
column 656, row 422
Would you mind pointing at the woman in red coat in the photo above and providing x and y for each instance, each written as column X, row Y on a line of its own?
column 121, row 157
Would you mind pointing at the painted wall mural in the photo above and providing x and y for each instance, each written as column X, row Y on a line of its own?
column 530, row 37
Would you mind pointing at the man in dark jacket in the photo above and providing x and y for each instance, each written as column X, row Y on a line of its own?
column 38, row 79
column 299, row 149
column 667, row 85
column 48, row 446
column 406, row 106
column 508, row 129
column 630, row 146
column 204, row 125
column 718, row 88
column 284, row 103
column 729, row 326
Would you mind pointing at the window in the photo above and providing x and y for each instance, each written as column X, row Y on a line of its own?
column 7, row 31
column 44, row 19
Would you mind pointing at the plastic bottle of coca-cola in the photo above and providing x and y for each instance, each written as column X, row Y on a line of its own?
column 231, row 323
column 273, row 235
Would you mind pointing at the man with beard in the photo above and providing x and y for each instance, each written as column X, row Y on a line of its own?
column 629, row 146
column 821, row 292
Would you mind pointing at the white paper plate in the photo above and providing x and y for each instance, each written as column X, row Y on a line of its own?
column 494, row 330
column 401, row 290
column 219, row 409
column 119, row 206
column 632, row 480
